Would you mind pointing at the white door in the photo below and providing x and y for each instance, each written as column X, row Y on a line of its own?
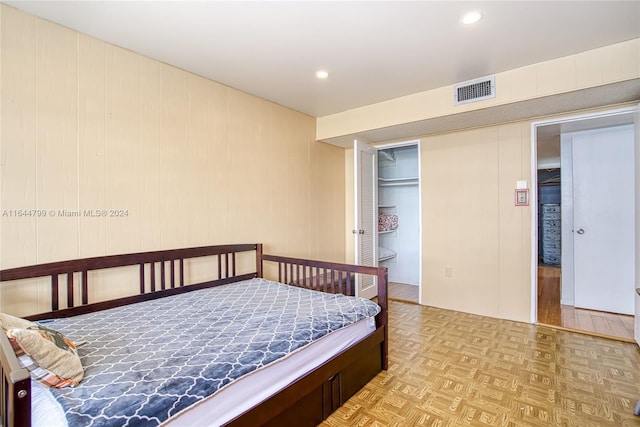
column 604, row 219
column 366, row 215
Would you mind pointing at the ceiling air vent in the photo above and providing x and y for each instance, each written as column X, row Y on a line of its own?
column 475, row 90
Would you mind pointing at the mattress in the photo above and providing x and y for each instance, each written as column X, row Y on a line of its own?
column 285, row 332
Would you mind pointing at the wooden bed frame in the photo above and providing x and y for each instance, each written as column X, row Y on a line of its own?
column 306, row 402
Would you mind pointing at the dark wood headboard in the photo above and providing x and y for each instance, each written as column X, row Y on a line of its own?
column 171, row 278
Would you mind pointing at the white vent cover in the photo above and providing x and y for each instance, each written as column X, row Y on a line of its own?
column 475, row 90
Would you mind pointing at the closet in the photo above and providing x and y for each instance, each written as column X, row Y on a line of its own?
column 399, row 213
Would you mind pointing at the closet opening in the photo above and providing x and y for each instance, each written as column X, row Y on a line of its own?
column 399, row 217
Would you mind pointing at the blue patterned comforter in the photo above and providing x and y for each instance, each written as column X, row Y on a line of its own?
column 146, row 362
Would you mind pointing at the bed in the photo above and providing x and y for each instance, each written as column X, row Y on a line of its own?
column 300, row 385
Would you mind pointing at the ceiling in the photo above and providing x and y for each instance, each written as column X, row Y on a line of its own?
column 373, row 50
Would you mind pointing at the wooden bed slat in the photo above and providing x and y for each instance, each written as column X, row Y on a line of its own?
column 85, row 287
column 142, row 287
column 69, row 289
column 233, row 263
column 173, row 273
column 259, row 260
column 333, row 280
column 162, row 275
column 182, row 272
column 153, row 276
column 54, row 292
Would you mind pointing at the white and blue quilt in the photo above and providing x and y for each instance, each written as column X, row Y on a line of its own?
column 147, row 362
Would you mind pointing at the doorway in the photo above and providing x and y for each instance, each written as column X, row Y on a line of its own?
column 554, row 292
column 391, row 214
column 399, row 219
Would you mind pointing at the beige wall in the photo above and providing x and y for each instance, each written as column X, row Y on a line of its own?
column 87, row 125
column 470, row 223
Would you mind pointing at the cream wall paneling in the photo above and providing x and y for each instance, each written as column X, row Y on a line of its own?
column 18, row 109
column 90, row 126
column 475, row 242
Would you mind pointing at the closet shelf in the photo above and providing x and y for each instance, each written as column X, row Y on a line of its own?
column 385, row 254
column 389, row 182
column 387, row 231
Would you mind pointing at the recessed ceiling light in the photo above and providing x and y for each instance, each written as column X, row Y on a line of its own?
column 322, row 74
column 471, row 17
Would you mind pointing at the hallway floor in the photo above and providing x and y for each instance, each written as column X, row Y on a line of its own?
column 402, row 292
column 552, row 313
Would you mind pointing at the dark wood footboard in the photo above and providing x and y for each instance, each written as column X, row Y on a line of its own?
column 163, row 273
column 312, row 398
column 333, row 277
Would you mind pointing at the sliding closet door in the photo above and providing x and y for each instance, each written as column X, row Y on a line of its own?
column 366, row 215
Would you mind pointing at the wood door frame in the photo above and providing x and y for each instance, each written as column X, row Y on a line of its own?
column 566, row 121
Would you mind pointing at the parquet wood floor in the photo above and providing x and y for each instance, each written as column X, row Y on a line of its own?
column 552, row 313
column 448, row 368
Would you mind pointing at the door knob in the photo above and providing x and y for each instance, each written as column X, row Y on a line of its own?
column 580, row 231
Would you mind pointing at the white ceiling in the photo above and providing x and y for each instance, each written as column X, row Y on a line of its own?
column 375, row 51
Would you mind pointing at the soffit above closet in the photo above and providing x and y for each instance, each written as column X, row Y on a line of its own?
column 600, row 96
